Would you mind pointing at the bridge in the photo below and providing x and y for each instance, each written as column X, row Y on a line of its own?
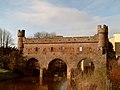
column 62, row 54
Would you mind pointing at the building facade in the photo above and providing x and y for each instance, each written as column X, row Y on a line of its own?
column 115, row 40
column 70, row 50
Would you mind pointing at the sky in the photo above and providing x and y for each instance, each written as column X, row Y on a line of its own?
column 71, row 18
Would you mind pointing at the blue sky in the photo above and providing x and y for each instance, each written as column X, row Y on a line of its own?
column 65, row 17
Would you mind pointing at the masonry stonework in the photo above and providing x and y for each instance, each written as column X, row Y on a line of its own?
column 69, row 49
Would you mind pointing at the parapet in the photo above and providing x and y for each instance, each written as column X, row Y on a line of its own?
column 21, row 33
column 102, row 29
column 90, row 39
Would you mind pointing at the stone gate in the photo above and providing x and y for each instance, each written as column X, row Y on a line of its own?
column 70, row 50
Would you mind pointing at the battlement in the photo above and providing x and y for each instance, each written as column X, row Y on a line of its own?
column 21, row 33
column 102, row 29
column 90, row 39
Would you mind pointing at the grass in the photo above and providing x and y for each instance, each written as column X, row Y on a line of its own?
column 4, row 70
column 96, row 81
column 7, row 74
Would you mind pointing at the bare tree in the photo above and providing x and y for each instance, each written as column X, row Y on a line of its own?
column 37, row 35
column 44, row 34
column 0, row 37
column 6, row 39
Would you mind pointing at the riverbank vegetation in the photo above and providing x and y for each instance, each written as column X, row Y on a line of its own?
column 11, row 63
column 10, row 59
column 7, row 74
column 95, row 81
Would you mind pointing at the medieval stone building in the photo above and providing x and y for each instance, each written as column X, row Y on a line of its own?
column 70, row 52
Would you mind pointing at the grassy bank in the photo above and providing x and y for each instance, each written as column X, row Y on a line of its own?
column 96, row 81
column 7, row 74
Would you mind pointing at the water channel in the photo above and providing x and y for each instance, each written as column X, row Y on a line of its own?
column 30, row 83
column 33, row 83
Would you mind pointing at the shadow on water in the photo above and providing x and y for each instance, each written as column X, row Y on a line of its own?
column 56, row 83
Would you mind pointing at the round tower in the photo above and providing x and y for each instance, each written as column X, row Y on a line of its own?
column 102, row 37
column 21, row 35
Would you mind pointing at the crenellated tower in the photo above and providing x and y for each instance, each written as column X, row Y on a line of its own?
column 21, row 35
column 103, row 38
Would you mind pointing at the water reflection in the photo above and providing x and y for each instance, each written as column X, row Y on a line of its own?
column 29, row 83
column 58, row 83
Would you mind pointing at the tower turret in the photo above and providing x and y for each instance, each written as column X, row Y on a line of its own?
column 102, row 37
column 21, row 35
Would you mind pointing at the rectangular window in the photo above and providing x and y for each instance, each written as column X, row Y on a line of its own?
column 51, row 49
column 80, row 49
column 29, row 51
column 62, row 48
column 36, row 49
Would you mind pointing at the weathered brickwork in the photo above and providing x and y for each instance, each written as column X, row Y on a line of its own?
column 69, row 49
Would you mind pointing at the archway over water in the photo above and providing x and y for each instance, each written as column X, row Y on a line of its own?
column 57, row 67
column 32, row 67
column 86, row 65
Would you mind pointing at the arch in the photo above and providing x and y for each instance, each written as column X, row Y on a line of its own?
column 86, row 65
column 33, row 67
column 57, row 67
column 31, row 62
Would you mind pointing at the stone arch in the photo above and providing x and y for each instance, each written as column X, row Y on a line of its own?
column 57, row 67
column 33, row 67
column 85, row 65
column 54, row 57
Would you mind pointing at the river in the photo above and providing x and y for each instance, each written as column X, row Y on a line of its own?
column 29, row 83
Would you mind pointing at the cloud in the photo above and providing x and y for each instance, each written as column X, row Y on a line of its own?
column 113, row 23
column 67, row 21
